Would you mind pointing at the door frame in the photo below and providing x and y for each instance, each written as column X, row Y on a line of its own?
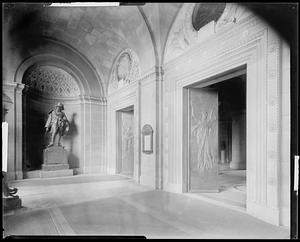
column 234, row 72
column 118, row 140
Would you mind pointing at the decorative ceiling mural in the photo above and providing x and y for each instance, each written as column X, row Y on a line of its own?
column 51, row 81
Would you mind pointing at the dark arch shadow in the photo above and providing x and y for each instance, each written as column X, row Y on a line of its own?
column 70, row 136
column 34, row 138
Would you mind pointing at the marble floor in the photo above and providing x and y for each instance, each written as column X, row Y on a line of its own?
column 116, row 205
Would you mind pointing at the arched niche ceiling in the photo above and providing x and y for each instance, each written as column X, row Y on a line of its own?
column 45, row 51
column 51, row 81
column 99, row 33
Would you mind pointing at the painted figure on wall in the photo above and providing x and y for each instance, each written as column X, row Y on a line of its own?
column 202, row 130
column 57, row 123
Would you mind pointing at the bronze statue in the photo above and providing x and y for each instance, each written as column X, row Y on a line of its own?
column 57, row 123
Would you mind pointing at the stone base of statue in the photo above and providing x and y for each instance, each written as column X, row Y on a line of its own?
column 55, row 167
column 55, row 155
column 10, row 203
column 55, row 164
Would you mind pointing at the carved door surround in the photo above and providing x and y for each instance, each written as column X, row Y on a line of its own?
column 125, row 141
column 122, row 100
column 252, row 44
column 123, row 92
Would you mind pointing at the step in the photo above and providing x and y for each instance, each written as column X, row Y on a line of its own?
column 48, row 174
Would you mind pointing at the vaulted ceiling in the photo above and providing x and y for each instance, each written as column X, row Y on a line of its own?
column 98, row 33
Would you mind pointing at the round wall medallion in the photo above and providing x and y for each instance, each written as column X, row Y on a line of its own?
column 123, row 67
column 125, row 70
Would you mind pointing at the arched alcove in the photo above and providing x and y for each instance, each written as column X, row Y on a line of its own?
column 47, row 85
column 69, row 79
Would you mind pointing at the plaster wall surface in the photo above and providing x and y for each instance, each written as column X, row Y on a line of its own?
column 148, row 116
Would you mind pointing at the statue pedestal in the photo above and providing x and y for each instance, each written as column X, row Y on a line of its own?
column 55, row 155
column 55, row 167
column 55, row 163
column 10, row 203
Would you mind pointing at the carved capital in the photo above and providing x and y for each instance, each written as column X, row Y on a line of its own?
column 19, row 88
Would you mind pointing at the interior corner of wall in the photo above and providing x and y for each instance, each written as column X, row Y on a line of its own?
column 285, row 217
column 267, row 214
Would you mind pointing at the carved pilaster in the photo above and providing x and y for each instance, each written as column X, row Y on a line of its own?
column 14, row 119
column 273, row 149
column 19, row 130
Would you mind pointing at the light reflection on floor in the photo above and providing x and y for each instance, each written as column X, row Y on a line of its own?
column 115, row 205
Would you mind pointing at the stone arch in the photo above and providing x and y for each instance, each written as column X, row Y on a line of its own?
column 90, row 96
column 56, row 61
column 63, row 55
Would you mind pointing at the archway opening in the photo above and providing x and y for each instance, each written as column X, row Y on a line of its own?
column 217, row 138
column 46, row 85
